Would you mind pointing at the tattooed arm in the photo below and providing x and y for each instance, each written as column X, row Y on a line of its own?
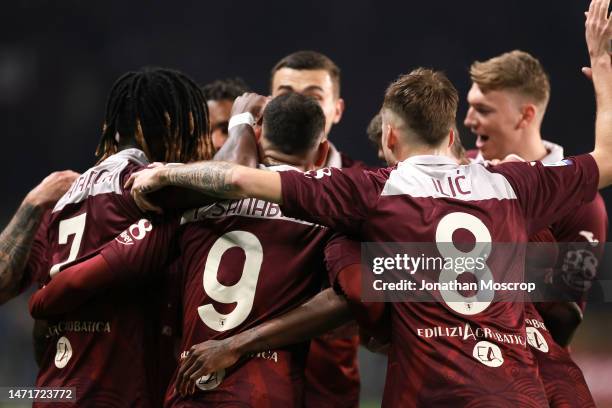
column 17, row 238
column 15, row 243
column 215, row 179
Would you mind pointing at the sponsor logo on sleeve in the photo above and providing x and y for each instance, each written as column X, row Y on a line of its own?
column 319, row 174
column 590, row 237
column 564, row 162
column 136, row 231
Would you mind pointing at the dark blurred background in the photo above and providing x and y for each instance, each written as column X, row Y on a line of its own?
column 58, row 60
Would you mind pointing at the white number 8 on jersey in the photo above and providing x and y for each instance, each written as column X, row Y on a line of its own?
column 444, row 241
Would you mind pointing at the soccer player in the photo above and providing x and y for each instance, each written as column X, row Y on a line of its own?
column 220, row 95
column 562, row 378
column 508, row 101
column 104, row 348
column 332, row 361
column 402, row 204
column 245, row 252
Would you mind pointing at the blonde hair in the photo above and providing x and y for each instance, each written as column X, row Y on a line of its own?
column 515, row 70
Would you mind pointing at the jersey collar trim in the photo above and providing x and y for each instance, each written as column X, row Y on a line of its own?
column 133, row 154
column 428, row 160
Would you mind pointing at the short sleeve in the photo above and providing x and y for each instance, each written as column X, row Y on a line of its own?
column 546, row 193
column 582, row 235
column 341, row 252
column 143, row 248
column 338, row 198
column 128, row 204
column 343, row 261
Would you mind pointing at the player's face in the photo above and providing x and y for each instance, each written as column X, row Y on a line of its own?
column 494, row 118
column 219, row 114
column 315, row 83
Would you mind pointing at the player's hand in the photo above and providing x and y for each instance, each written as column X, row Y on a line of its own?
column 598, row 32
column 144, row 182
column 51, row 189
column 204, row 358
column 252, row 103
column 508, row 159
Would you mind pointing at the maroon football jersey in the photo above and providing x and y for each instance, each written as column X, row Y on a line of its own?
column 585, row 232
column 332, row 368
column 563, row 380
column 450, row 353
column 243, row 263
column 100, row 348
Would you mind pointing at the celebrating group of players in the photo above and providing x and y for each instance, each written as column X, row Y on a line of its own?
column 202, row 284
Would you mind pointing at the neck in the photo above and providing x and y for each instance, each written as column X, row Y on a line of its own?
column 531, row 147
column 127, row 144
column 273, row 158
column 406, row 152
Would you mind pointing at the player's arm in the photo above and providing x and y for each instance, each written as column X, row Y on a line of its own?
column 215, row 179
column 73, row 287
column 338, row 198
column 598, row 33
column 17, row 238
column 139, row 251
column 241, row 146
column 561, row 318
column 324, row 312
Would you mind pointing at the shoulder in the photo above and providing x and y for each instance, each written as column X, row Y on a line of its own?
column 349, row 162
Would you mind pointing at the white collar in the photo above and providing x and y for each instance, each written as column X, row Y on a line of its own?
column 428, row 159
column 554, row 155
column 133, row 154
column 334, row 159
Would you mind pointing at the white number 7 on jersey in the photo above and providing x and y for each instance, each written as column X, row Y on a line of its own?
column 72, row 226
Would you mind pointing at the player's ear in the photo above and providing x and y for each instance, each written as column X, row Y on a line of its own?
column 392, row 137
column 322, row 151
column 339, row 110
column 528, row 114
column 258, row 130
column 451, row 138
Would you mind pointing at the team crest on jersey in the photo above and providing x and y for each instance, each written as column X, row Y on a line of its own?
column 488, row 354
column 579, row 269
column 210, row 381
column 536, row 340
column 63, row 352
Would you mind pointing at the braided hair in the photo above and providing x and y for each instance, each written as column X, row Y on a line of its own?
column 157, row 103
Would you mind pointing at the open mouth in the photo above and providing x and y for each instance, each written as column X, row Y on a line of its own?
column 481, row 140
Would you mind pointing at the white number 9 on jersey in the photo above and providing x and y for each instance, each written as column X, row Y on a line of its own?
column 444, row 241
column 242, row 292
